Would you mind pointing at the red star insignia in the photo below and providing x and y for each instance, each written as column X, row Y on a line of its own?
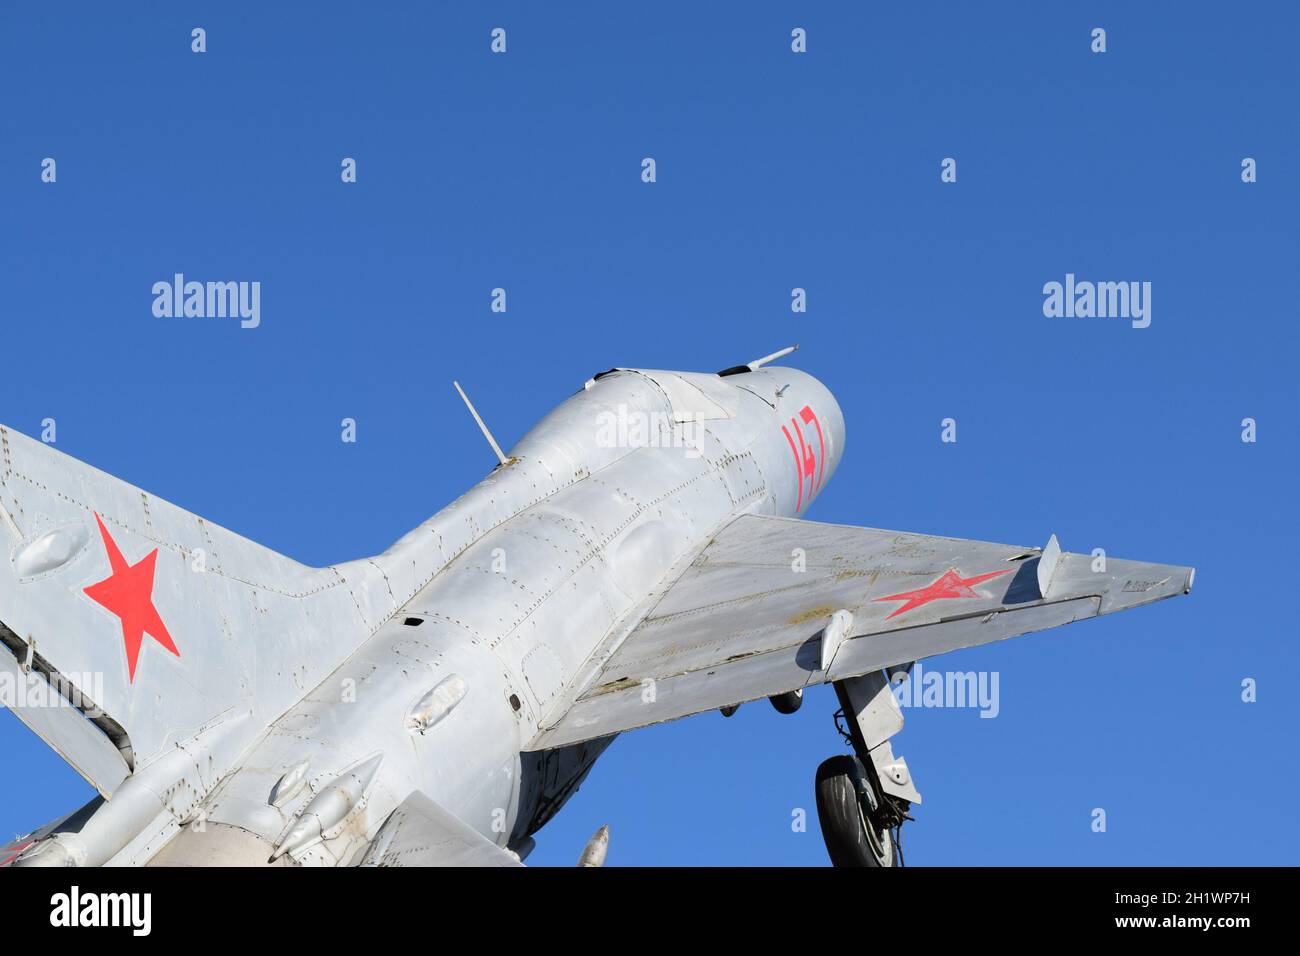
column 128, row 593
column 949, row 585
column 15, row 850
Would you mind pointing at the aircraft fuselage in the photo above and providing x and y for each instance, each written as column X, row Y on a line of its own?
column 549, row 562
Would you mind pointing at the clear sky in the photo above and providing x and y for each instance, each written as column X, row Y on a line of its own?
column 775, row 170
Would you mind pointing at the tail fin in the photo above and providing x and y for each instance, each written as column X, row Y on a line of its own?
column 128, row 625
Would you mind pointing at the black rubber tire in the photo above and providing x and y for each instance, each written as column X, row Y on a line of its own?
column 788, row 702
column 843, row 827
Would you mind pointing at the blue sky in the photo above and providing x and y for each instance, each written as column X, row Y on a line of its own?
column 774, row 170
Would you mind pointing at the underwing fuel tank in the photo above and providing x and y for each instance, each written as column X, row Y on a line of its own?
column 324, row 816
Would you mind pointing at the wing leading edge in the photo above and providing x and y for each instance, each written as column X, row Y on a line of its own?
column 758, row 613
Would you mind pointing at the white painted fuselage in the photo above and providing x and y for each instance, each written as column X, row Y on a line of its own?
column 516, row 592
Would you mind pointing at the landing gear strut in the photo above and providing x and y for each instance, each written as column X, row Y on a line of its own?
column 863, row 797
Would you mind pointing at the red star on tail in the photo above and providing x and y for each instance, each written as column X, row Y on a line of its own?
column 128, row 593
column 949, row 585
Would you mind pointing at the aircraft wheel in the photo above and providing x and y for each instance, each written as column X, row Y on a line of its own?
column 788, row 702
column 852, row 839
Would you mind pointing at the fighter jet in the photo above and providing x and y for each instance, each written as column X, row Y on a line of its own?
column 637, row 557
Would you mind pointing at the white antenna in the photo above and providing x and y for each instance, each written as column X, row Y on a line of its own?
column 483, row 428
column 759, row 363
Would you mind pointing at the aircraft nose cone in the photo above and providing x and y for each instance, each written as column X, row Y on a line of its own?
column 816, row 397
column 809, row 432
column 835, row 425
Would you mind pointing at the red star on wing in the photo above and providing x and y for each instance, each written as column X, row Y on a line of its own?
column 15, row 850
column 128, row 593
column 949, row 585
